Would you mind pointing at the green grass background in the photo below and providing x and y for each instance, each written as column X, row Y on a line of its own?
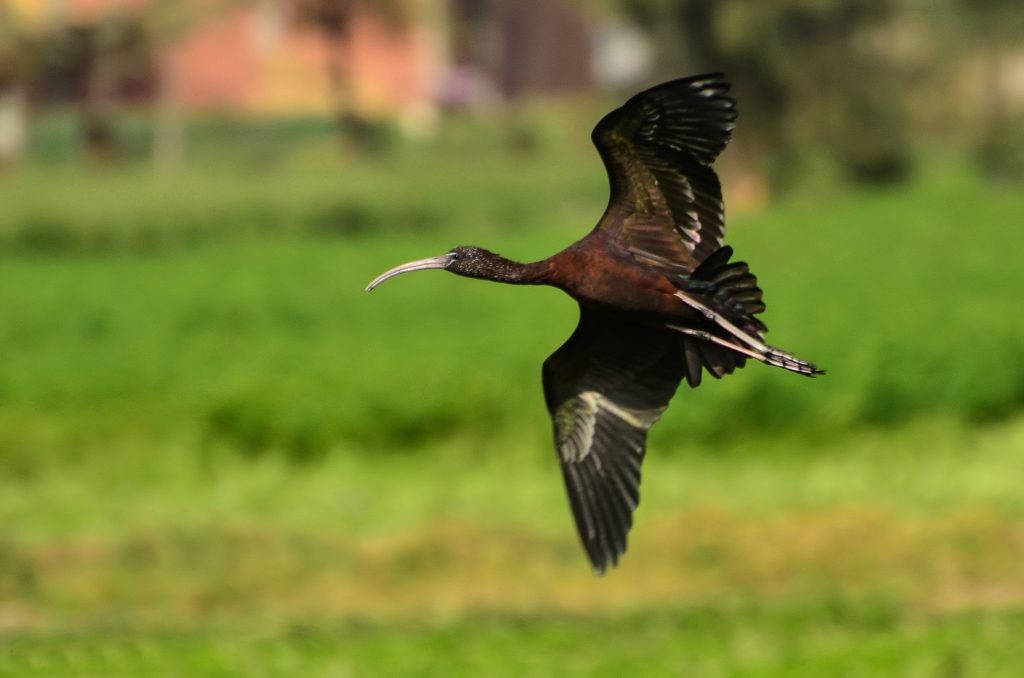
column 218, row 455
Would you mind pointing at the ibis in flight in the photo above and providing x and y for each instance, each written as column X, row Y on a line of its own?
column 660, row 299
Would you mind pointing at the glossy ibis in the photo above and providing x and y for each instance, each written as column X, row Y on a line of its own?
column 659, row 299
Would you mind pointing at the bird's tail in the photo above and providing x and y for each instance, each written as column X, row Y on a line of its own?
column 788, row 361
column 769, row 355
column 727, row 294
column 727, row 287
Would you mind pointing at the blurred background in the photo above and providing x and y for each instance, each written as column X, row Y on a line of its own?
column 218, row 456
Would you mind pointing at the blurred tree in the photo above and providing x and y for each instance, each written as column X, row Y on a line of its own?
column 12, row 94
column 20, row 54
column 116, row 52
column 812, row 74
column 167, row 22
column 993, row 30
column 334, row 19
column 43, row 59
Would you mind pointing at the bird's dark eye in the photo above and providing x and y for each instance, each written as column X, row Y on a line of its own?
column 454, row 255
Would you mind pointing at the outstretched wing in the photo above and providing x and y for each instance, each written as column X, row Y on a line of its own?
column 604, row 388
column 666, row 201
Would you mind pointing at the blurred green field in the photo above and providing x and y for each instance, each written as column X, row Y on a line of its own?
column 266, row 341
column 869, row 640
column 219, row 455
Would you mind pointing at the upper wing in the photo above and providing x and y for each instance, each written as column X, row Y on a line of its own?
column 604, row 388
column 666, row 202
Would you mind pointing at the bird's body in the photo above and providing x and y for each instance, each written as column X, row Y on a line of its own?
column 605, row 278
column 660, row 301
column 598, row 275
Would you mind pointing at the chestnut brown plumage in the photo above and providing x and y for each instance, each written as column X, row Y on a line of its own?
column 659, row 299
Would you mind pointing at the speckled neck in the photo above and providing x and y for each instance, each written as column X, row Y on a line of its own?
column 491, row 266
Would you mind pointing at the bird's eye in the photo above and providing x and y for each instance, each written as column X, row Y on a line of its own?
column 454, row 256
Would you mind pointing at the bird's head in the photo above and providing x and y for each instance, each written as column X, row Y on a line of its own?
column 472, row 262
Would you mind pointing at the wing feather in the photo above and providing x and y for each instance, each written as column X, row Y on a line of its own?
column 666, row 201
column 605, row 387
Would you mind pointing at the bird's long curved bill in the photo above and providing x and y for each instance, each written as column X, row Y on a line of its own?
column 419, row 265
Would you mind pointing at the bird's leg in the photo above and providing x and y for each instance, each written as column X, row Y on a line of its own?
column 772, row 356
column 720, row 320
column 707, row 336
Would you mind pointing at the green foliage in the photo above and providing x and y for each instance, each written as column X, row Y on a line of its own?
column 218, row 454
column 230, row 310
column 865, row 81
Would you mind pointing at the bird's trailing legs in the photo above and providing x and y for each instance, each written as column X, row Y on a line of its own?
column 757, row 350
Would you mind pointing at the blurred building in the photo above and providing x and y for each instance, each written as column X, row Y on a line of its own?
column 399, row 59
column 258, row 57
column 523, row 47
